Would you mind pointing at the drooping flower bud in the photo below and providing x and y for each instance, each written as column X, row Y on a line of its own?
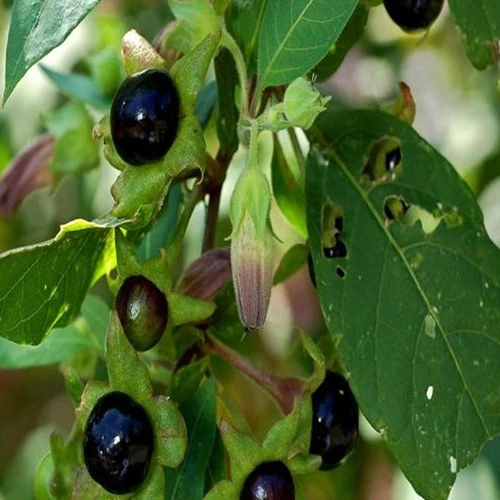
column 252, row 259
column 206, row 275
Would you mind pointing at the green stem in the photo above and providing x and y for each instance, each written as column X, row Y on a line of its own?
column 253, row 145
column 230, row 44
column 301, row 161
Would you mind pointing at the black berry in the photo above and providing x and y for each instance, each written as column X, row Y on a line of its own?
column 269, row 481
column 143, row 312
column 413, row 15
column 118, row 443
column 335, row 422
column 145, row 116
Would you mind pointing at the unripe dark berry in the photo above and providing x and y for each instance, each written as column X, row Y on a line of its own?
column 118, row 443
column 335, row 421
column 145, row 116
column 413, row 15
column 143, row 312
column 269, row 481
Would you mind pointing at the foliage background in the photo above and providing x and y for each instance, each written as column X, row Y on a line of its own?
column 458, row 111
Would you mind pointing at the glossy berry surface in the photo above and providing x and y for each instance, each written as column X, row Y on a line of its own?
column 118, row 443
column 269, row 481
column 413, row 15
column 143, row 312
column 144, row 117
column 335, row 422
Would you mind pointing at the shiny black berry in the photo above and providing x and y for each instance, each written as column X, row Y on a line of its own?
column 145, row 116
column 269, row 481
column 143, row 312
column 413, row 15
column 118, row 443
column 335, row 421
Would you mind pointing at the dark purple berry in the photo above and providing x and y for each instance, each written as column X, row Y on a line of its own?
column 335, row 421
column 118, row 443
column 145, row 116
column 413, row 15
column 143, row 312
column 269, row 481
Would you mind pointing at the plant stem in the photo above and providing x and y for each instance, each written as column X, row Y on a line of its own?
column 253, row 145
column 283, row 390
column 230, row 44
column 301, row 161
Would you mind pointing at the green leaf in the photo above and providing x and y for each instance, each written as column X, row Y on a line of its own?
column 170, row 430
column 43, row 285
column 37, row 27
column 227, row 119
column 291, row 262
column 75, row 150
column 205, row 103
column 349, row 36
column 184, row 309
column 80, row 87
column 417, row 311
column 479, row 26
column 245, row 19
column 288, row 190
column 188, row 481
column 60, row 344
column 296, row 35
column 185, row 381
column 216, row 470
column 127, row 372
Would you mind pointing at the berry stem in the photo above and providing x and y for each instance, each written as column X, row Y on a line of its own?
column 283, row 390
column 229, row 42
column 299, row 155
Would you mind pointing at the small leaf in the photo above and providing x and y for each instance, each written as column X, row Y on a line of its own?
column 126, row 371
column 228, row 115
column 75, row 150
column 295, row 36
column 43, row 285
column 185, row 381
column 36, row 27
column 184, row 309
column 171, row 433
column 80, row 87
column 291, row 262
column 216, row 470
column 188, row 481
column 288, row 190
column 479, row 26
column 138, row 54
column 205, row 103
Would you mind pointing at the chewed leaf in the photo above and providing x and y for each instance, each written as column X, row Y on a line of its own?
column 416, row 306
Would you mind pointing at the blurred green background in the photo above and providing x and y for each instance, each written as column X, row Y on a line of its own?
column 458, row 111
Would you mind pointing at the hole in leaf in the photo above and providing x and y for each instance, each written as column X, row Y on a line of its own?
column 338, row 250
column 385, row 157
column 340, row 272
column 395, row 207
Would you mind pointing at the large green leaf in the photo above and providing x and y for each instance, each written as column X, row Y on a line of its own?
column 296, row 34
column 43, row 285
column 61, row 343
column 37, row 27
column 479, row 26
column 418, row 312
column 188, row 481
